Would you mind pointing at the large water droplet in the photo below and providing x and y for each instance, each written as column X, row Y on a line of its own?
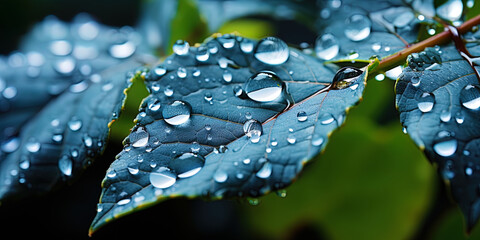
column 123, row 50
column 162, row 178
column 139, row 138
column 272, row 51
column 470, row 97
column 326, row 46
column 445, row 144
column 264, row 86
column 65, row 165
column 181, row 47
column 265, row 171
column 357, row 27
column 187, row 164
column 426, row 102
column 345, row 77
column 177, row 112
column 253, row 129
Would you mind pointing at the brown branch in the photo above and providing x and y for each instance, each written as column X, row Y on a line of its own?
column 439, row 39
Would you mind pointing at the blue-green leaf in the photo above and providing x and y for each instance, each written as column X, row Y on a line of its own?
column 225, row 119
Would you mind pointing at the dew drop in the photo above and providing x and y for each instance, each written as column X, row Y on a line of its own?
column 202, row 54
column 87, row 141
column 227, row 41
column 182, row 72
column 345, row 77
column 162, row 178
column 133, row 168
column 253, row 130
column 459, row 117
column 65, row 165
column 326, row 46
column 451, row 10
column 357, row 27
column 220, row 176
column 60, row 48
column 154, row 105
column 415, row 81
column 291, row 139
column 470, row 97
column 246, row 46
column 168, row 91
column 32, row 146
column 326, row 118
column 65, row 65
column 445, row 116
column 24, row 164
column 123, row 202
column 445, row 145
column 111, row 174
column 237, row 91
column 272, row 51
column 264, row 86
column 123, row 50
column 227, row 76
column 302, row 116
column 265, row 171
column 139, row 138
column 177, row 112
column 181, row 47
column 380, row 77
column 426, row 102
column 317, row 140
column 187, row 164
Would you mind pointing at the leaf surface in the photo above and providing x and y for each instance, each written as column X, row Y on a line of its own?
column 210, row 154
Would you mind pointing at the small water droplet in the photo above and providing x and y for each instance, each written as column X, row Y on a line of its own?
column 187, row 164
column 426, row 102
column 60, row 48
column 32, row 146
column 220, row 176
column 264, row 86
column 265, row 171
column 202, row 54
column 87, row 141
column 177, row 112
column 448, row 170
column 123, row 202
column 24, row 164
column 154, row 105
column 282, row 193
column 445, row 144
column 445, row 116
column 122, row 50
column 168, row 91
column 415, row 81
column 302, row 116
column 208, row 97
column 357, row 27
column 139, row 138
column 65, row 165
column 227, row 76
column 65, row 65
column 272, row 51
column 468, row 171
column 182, row 72
column 459, row 117
column 470, row 97
column 111, row 174
column 345, row 77
column 326, row 118
column 246, row 46
column 317, row 140
column 291, row 139
column 380, row 77
column 181, row 47
column 133, row 168
column 246, row 161
column 253, row 130
column 326, row 46
column 162, row 178
column 227, row 41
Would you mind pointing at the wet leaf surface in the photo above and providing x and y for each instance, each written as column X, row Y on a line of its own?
column 439, row 106
column 231, row 117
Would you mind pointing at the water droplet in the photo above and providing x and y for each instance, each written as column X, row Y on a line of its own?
column 65, row 65
column 265, row 171
column 123, row 50
column 448, row 170
column 445, row 145
column 468, row 171
column 24, row 164
column 282, row 193
column 415, row 81
column 32, row 146
column 317, row 140
column 208, row 97
column 403, row 19
column 139, row 138
column 376, row 47
column 445, row 116
column 451, row 10
column 88, row 141
column 181, row 47
column 357, row 27
column 227, row 76
column 168, row 91
column 302, row 116
column 202, row 54
column 253, row 129
column 253, row 201
column 154, row 105
column 291, row 139
column 345, row 77
column 187, row 164
column 431, row 29
column 60, row 48
column 237, row 91
column 426, row 102
column 326, row 46
column 272, row 51
column 326, row 118
column 162, row 178
column 208, row 127
column 470, row 97
column 459, row 117
column 65, row 165
column 182, row 72
column 246, row 161
column 220, row 176
column 133, row 168
column 380, row 77
column 196, row 73
column 177, row 112
column 123, row 202
column 470, row 3
column 88, row 30
column 264, row 86
column 111, row 174
column 227, row 41
column 246, row 46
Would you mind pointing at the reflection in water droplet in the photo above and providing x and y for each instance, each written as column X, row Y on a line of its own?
column 265, row 171
column 220, row 176
column 154, row 105
column 426, row 102
column 111, row 174
column 272, row 51
column 168, row 91
column 237, row 91
column 187, row 164
column 357, row 27
column 253, row 129
column 181, row 47
column 415, row 81
column 139, row 138
column 326, row 46
column 65, row 165
column 264, row 86
column 177, row 112
column 445, row 144
column 470, row 97
column 162, row 178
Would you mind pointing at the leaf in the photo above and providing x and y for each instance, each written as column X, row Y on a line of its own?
column 189, row 138
column 438, row 105
column 58, row 100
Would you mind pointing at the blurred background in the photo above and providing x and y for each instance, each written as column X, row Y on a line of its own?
column 371, row 183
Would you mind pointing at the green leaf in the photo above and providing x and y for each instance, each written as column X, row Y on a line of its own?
column 58, row 100
column 438, row 104
column 193, row 137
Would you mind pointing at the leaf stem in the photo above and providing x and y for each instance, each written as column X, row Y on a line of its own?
column 441, row 38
